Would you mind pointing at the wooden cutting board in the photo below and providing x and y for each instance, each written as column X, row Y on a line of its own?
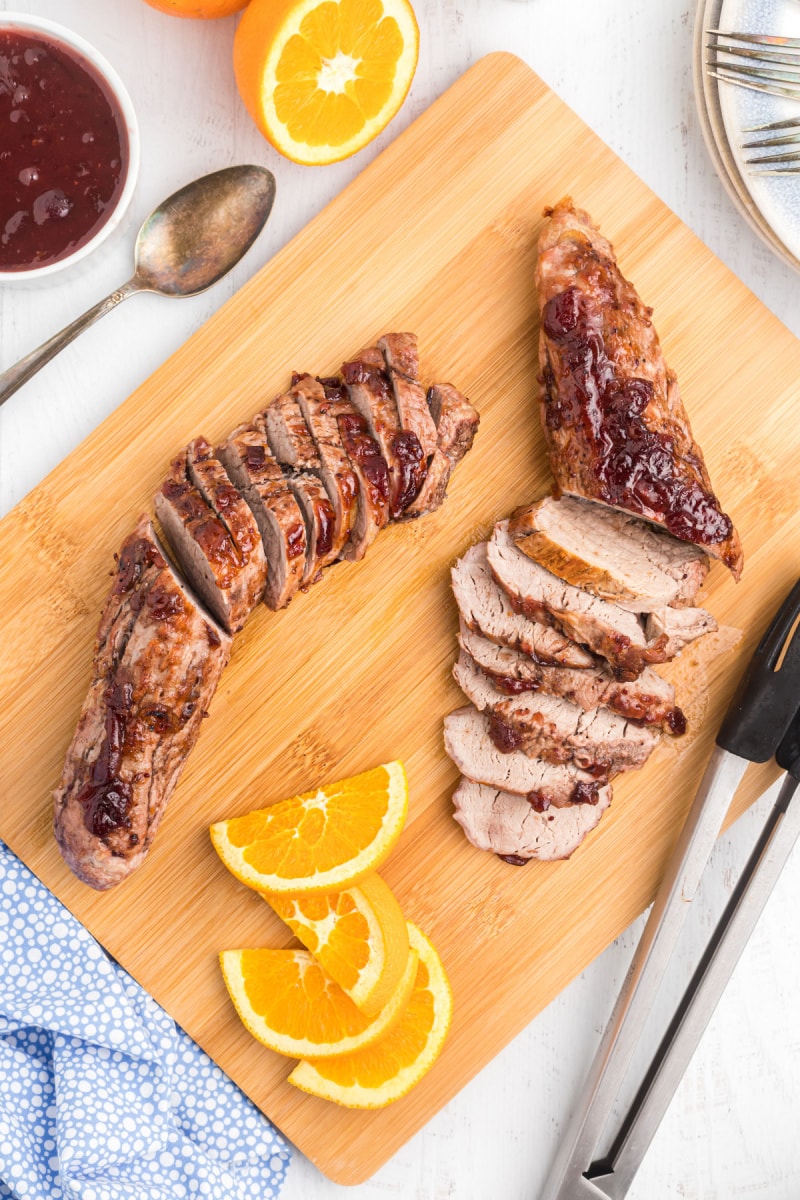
column 437, row 235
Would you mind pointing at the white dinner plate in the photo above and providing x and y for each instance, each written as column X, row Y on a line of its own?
column 770, row 203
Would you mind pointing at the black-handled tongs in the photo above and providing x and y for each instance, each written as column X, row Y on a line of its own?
column 762, row 721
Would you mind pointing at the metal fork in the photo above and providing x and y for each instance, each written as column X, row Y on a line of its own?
column 777, row 54
column 778, row 134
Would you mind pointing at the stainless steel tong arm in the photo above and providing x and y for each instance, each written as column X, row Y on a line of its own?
column 567, row 1179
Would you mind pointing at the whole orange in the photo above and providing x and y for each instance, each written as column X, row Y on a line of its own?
column 203, row 9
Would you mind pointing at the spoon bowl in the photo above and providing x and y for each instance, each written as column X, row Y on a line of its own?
column 199, row 233
column 186, row 245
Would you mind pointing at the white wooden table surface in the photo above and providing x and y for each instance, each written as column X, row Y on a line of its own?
column 625, row 67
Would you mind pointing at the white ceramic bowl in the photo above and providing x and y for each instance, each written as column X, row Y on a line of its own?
column 50, row 31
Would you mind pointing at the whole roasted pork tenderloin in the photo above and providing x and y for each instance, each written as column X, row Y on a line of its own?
column 158, row 658
column 612, row 415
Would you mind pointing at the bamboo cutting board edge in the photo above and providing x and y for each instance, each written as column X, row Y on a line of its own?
column 489, row 346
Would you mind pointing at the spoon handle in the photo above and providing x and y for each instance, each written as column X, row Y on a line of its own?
column 22, row 371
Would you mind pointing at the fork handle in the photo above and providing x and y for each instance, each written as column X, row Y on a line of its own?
column 22, row 371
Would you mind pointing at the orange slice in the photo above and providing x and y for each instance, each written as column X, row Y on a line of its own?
column 292, row 1005
column 321, row 78
column 388, row 1068
column 204, row 9
column 359, row 936
column 321, row 841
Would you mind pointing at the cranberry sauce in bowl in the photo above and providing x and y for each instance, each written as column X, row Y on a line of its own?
column 69, row 147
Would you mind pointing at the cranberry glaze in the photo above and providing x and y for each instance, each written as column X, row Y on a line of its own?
column 635, row 465
column 63, row 151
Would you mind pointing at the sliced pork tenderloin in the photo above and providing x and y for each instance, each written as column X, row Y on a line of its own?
column 256, row 473
column 335, row 469
column 370, row 391
column 604, row 628
column 609, row 553
column 209, row 476
column 288, row 434
column 368, row 464
column 401, row 357
column 507, row 825
column 648, row 699
column 554, row 729
column 456, row 424
column 157, row 662
column 456, row 420
column 486, row 608
column 468, row 742
column 680, row 627
column 203, row 547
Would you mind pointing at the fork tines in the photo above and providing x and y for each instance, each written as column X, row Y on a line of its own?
column 767, row 65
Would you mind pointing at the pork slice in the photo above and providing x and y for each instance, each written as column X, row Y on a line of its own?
column 486, row 609
column 456, row 419
column 207, row 473
column 555, row 729
column 258, row 476
column 370, row 391
column 612, row 415
column 456, row 423
column 433, row 491
column 468, row 742
column 368, row 464
column 649, row 699
column 679, row 626
column 604, row 628
column 203, row 547
column 320, row 520
column 510, row 827
column 609, row 553
column 401, row 356
column 288, row 434
column 335, row 469
column 141, row 717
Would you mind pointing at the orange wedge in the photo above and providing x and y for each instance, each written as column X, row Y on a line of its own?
column 359, row 936
column 292, row 1005
column 321, row 78
column 388, row 1068
column 321, row 841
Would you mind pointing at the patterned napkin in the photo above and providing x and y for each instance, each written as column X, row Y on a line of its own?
column 102, row 1097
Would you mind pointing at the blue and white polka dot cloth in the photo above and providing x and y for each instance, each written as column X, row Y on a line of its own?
column 102, row 1097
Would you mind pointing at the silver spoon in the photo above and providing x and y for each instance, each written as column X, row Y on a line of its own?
column 187, row 244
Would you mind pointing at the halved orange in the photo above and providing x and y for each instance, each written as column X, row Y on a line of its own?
column 321, row 78
column 288, row 1002
column 204, row 9
column 389, row 1067
column 320, row 841
column 358, row 935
